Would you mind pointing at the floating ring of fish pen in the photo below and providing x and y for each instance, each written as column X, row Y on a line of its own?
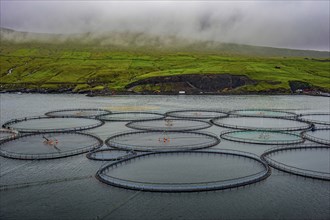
column 293, row 169
column 264, row 123
column 78, row 112
column 162, row 141
column 321, row 118
column 109, row 154
column 6, row 134
column 169, row 125
column 44, row 124
column 321, row 136
column 196, row 114
column 182, row 186
column 41, row 146
column 262, row 137
column 267, row 113
column 131, row 116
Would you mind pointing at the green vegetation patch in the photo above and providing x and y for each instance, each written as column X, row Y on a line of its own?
column 92, row 68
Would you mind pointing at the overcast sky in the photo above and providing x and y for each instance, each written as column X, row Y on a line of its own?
column 290, row 24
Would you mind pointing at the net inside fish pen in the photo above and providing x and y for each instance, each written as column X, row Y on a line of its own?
column 83, row 112
column 162, row 141
column 131, row 116
column 49, row 145
column 262, row 137
column 185, row 171
column 264, row 124
column 169, row 125
column 269, row 113
column 321, row 136
column 306, row 161
column 196, row 114
column 317, row 118
column 46, row 124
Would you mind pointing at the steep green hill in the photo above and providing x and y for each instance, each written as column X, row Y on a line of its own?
column 119, row 62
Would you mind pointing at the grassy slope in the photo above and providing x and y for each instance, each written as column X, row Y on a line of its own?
column 90, row 67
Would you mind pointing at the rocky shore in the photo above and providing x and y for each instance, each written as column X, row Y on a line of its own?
column 190, row 84
column 108, row 93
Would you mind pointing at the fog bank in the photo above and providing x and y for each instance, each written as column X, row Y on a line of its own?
column 287, row 24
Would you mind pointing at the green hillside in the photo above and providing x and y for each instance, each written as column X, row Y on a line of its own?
column 111, row 63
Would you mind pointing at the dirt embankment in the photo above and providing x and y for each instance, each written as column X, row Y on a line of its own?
column 193, row 83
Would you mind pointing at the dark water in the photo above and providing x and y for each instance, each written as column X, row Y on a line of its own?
column 109, row 154
column 67, row 189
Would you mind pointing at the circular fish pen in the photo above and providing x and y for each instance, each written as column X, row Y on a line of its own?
column 185, row 171
column 306, row 161
column 262, row 137
column 44, row 124
column 321, row 136
column 109, row 154
column 316, row 118
column 196, row 114
column 83, row 112
column 162, row 141
column 42, row 146
column 263, row 124
column 6, row 134
column 169, row 125
column 268, row 113
column 131, row 116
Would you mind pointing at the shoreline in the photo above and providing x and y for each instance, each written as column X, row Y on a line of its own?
column 105, row 94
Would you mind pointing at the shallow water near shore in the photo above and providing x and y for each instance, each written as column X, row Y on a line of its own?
column 66, row 188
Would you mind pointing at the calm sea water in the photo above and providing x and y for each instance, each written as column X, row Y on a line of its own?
column 67, row 189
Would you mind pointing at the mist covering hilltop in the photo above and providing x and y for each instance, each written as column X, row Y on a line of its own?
column 140, row 41
column 302, row 25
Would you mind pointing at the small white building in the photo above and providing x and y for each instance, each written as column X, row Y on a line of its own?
column 182, row 92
